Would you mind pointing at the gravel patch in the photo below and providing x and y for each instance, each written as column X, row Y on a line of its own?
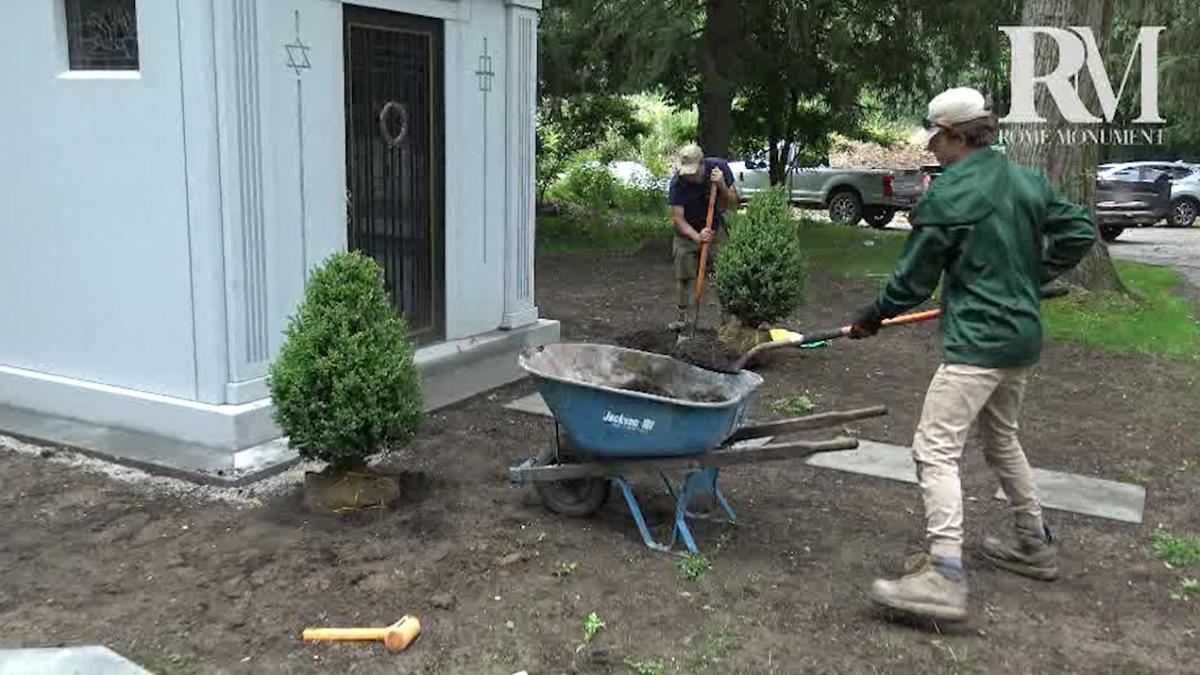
column 245, row 496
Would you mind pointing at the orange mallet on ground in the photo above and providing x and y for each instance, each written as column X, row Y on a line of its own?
column 395, row 637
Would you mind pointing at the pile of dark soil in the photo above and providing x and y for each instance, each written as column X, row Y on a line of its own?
column 644, row 386
column 707, row 352
column 656, row 341
column 704, row 349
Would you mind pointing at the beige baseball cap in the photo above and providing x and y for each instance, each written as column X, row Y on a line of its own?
column 690, row 160
column 951, row 107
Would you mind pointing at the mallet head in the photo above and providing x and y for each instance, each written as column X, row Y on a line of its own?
column 401, row 634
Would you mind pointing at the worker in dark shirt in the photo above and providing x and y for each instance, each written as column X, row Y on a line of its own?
column 993, row 234
column 688, row 198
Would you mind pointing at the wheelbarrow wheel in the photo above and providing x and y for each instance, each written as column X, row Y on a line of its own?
column 580, row 498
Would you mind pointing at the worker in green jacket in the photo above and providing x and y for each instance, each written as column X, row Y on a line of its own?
column 993, row 233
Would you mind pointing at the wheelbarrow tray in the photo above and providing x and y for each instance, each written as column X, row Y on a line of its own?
column 614, row 402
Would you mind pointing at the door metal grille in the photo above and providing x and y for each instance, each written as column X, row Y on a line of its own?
column 394, row 158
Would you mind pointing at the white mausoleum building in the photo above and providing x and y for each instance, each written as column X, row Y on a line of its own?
column 170, row 170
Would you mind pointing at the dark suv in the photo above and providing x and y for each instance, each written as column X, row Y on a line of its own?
column 1184, row 179
column 1130, row 203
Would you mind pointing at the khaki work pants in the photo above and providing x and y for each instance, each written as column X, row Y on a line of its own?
column 958, row 396
column 685, row 255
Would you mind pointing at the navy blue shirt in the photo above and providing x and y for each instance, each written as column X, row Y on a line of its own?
column 693, row 197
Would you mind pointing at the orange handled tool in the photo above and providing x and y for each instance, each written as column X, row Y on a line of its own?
column 908, row 318
column 708, row 220
column 395, row 637
column 797, row 339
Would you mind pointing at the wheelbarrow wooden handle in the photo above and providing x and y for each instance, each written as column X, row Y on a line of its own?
column 806, row 423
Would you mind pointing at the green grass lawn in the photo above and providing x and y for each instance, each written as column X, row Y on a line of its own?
column 1158, row 321
column 853, row 252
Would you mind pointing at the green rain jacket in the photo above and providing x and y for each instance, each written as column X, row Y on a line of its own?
column 998, row 233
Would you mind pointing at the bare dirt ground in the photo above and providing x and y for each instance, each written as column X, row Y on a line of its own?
column 190, row 586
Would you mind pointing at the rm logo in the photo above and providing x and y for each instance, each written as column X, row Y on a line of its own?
column 1077, row 47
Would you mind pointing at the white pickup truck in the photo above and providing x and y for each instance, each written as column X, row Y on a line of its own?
column 850, row 195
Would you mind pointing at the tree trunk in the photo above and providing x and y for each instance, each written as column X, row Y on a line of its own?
column 780, row 127
column 1070, row 167
column 720, row 31
column 777, row 164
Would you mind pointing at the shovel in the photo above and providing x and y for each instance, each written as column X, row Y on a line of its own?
column 786, row 338
column 791, row 339
column 708, row 219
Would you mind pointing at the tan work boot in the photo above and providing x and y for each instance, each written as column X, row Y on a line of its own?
column 924, row 590
column 1033, row 554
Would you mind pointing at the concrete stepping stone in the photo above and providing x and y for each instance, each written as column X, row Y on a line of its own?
column 1097, row 497
column 879, row 460
column 91, row 660
column 531, row 404
column 1061, row 491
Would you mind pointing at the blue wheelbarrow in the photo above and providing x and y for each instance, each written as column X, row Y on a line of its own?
column 620, row 412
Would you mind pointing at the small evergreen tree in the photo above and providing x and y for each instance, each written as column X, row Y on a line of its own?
column 762, row 272
column 345, row 384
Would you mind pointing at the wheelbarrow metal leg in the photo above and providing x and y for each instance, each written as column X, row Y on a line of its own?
column 636, row 511
column 697, row 483
column 720, row 495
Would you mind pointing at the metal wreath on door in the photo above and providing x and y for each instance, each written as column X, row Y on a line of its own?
column 393, row 114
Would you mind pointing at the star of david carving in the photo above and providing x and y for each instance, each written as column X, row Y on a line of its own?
column 298, row 56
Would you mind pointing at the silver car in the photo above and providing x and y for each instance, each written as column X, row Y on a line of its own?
column 1185, row 185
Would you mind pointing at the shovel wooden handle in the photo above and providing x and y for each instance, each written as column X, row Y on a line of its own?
column 909, row 318
column 822, row 336
column 708, row 219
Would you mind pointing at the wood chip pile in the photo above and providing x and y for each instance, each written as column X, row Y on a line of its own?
column 860, row 155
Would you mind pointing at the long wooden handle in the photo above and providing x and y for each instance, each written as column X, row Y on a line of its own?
column 832, row 334
column 708, row 219
column 344, row 633
column 912, row 318
column 818, row 421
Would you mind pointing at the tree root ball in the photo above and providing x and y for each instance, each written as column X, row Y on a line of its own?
column 331, row 491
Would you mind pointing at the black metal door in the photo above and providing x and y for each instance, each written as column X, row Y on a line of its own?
column 394, row 158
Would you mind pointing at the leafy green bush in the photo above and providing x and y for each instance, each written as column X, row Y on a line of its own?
column 640, row 199
column 568, row 128
column 573, row 233
column 668, row 130
column 762, row 272
column 589, row 187
column 586, row 186
column 345, row 385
